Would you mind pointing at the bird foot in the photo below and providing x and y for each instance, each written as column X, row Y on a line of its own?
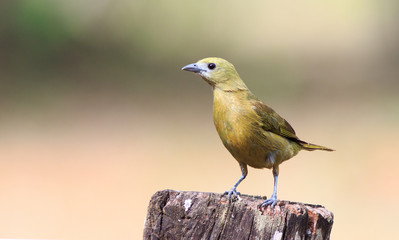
column 233, row 192
column 272, row 201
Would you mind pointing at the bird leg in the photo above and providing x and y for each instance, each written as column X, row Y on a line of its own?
column 273, row 198
column 233, row 190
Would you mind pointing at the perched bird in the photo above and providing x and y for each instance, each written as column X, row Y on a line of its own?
column 252, row 131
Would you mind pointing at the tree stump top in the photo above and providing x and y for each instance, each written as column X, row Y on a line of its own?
column 199, row 215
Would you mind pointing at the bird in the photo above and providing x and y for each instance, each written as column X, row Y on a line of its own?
column 252, row 132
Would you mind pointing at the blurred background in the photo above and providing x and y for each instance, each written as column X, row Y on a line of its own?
column 96, row 115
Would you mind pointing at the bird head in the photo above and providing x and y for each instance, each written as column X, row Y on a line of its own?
column 217, row 72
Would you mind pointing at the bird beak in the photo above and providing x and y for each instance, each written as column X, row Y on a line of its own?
column 192, row 68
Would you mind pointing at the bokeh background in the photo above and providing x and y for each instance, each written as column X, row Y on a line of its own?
column 96, row 115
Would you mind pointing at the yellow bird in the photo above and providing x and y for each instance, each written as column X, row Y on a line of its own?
column 252, row 131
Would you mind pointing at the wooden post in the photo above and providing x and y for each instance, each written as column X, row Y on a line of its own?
column 198, row 215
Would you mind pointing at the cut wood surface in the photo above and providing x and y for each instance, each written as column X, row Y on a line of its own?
column 199, row 215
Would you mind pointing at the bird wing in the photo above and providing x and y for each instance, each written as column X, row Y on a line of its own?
column 273, row 122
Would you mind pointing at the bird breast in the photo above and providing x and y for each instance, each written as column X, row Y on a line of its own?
column 240, row 130
column 238, row 127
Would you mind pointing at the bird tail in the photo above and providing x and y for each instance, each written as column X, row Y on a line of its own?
column 312, row 147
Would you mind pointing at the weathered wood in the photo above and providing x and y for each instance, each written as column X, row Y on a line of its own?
column 198, row 215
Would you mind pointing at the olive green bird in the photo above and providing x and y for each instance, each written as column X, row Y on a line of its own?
column 252, row 131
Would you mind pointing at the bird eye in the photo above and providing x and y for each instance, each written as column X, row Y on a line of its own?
column 211, row 66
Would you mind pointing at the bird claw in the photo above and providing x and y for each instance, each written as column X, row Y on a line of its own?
column 232, row 192
column 272, row 201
